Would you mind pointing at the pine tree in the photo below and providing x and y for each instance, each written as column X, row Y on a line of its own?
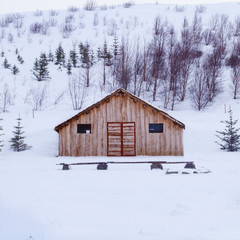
column 20, row 59
column 107, row 59
column 6, row 64
column 1, row 134
column 15, row 70
column 87, row 56
column 230, row 137
column 60, row 57
column 87, row 60
column 115, row 47
column 99, row 54
column 35, row 70
column 69, row 67
column 107, row 55
column 18, row 139
column 73, row 58
column 40, row 68
column 50, row 56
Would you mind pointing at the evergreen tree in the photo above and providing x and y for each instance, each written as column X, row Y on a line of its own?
column 107, row 59
column 107, row 55
column 73, row 58
column 115, row 47
column 20, row 59
column 15, row 70
column 69, row 67
column 35, row 70
column 50, row 56
column 60, row 57
column 18, row 139
column 230, row 137
column 87, row 60
column 87, row 56
column 99, row 54
column 2, row 54
column 6, row 64
column 40, row 68
column 1, row 134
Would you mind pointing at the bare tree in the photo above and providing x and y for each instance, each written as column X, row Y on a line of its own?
column 173, row 67
column 220, row 39
column 158, row 52
column 137, row 68
column 58, row 97
column 186, row 59
column 213, row 67
column 234, row 62
column 76, row 90
column 197, row 29
column 5, row 98
column 208, row 36
column 37, row 97
column 237, row 27
column 146, row 66
column 198, row 89
column 123, row 65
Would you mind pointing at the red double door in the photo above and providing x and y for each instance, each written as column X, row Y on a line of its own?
column 121, row 139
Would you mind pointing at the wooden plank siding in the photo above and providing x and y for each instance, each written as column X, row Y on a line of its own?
column 121, row 108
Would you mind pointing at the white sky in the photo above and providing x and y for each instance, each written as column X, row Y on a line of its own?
column 8, row 6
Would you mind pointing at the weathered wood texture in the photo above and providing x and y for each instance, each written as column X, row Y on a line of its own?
column 118, row 109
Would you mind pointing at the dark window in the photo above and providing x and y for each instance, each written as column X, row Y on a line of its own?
column 155, row 127
column 84, row 128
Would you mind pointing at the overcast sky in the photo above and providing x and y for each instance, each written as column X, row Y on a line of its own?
column 8, row 6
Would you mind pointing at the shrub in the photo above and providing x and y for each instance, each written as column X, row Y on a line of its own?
column 66, row 29
column 38, row 13
column 73, row 9
column 90, row 5
column 128, row 4
column 53, row 13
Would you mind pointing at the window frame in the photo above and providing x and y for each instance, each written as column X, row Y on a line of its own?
column 160, row 128
column 84, row 129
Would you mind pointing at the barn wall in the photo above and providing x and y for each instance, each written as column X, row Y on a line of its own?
column 121, row 109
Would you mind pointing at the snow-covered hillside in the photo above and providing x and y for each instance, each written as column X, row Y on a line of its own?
column 39, row 201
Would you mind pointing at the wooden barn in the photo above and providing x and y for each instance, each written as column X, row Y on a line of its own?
column 121, row 124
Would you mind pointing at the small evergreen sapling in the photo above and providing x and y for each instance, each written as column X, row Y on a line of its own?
column 50, row 56
column 6, row 64
column 69, row 67
column 230, row 137
column 17, row 141
column 15, row 70
column 20, row 59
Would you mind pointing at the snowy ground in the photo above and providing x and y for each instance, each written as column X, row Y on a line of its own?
column 40, row 201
